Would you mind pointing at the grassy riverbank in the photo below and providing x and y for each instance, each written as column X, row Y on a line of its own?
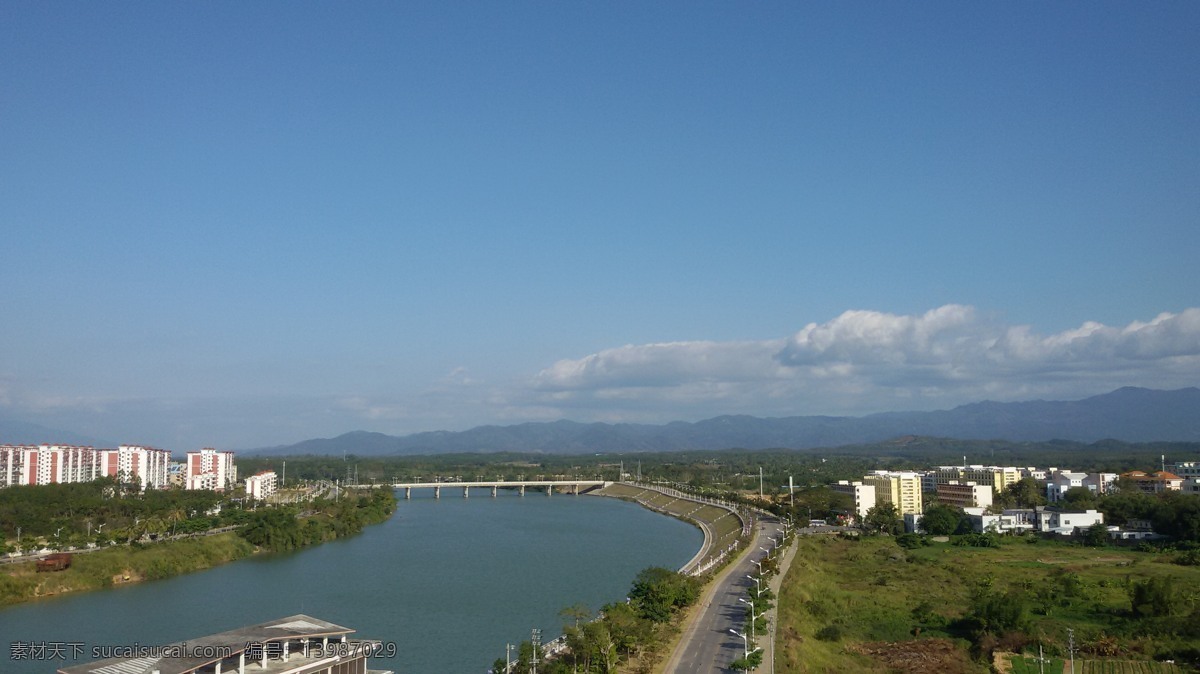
column 265, row 530
column 122, row 564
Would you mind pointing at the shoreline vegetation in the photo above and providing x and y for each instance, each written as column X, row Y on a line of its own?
column 262, row 531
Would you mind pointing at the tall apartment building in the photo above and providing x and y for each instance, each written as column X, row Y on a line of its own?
column 51, row 464
column 46, row 464
column 210, row 469
column 902, row 489
column 863, row 495
column 134, row 463
column 261, row 484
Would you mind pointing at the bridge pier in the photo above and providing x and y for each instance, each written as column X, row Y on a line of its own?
column 408, row 492
column 576, row 485
column 549, row 490
column 437, row 492
column 465, row 492
column 493, row 491
column 522, row 489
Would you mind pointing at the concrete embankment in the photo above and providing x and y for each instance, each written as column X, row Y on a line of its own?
column 721, row 523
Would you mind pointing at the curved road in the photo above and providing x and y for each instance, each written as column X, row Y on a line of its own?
column 707, row 646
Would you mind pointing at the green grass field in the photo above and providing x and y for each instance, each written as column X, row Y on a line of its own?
column 840, row 594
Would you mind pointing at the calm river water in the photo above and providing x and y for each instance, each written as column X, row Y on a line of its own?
column 449, row 581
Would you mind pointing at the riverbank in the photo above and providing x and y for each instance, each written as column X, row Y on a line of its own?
column 121, row 564
column 721, row 524
column 268, row 530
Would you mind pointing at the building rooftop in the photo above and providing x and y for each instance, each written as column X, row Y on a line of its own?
column 177, row 658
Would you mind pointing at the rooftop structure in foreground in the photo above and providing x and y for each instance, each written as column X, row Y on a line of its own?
column 298, row 644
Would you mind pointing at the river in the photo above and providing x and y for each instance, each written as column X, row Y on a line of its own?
column 448, row 581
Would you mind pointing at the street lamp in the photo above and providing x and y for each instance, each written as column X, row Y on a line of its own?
column 753, row 617
column 766, row 551
column 745, row 643
column 757, row 583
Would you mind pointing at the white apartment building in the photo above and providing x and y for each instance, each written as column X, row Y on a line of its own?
column 863, row 495
column 261, row 485
column 210, row 469
column 1061, row 482
column 54, row 464
column 135, row 463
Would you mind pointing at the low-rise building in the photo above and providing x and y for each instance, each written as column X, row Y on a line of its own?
column 1186, row 469
column 965, row 494
column 297, row 644
column 1156, row 482
column 1066, row 522
column 863, row 495
column 998, row 478
column 1010, row 521
column 1191, row 486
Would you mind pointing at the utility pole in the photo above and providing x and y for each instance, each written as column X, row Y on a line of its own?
column 507, row 658
column 536, row 638
column 760, row 483
column 1071, row 647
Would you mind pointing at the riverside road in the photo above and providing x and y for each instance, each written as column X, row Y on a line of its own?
column 707, row 645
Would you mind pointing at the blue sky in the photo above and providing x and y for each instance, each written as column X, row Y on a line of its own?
column 241, row 224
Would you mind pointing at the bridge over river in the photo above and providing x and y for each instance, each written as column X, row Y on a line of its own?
column 568, row 486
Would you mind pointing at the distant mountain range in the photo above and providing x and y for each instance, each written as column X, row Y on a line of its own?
column 15, row 432
column 1128, row 414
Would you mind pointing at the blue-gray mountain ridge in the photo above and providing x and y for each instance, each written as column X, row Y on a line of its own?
column 1127, row 414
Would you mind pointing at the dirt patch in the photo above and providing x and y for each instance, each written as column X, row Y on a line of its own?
column 127, row 576
column 919, row 657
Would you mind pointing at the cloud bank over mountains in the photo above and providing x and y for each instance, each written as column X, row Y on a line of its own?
column 867, row 361
column 860, row 362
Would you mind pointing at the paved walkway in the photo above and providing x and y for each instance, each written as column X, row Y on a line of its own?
column 773, row 614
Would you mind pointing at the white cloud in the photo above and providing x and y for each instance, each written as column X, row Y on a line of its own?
column 864, row 361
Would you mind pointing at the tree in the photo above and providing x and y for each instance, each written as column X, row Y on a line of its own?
column 883, row 518
column 1079, row 497
column 658, row 592
column 1026, row 493
column 1096, row 536
column 941, row 519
